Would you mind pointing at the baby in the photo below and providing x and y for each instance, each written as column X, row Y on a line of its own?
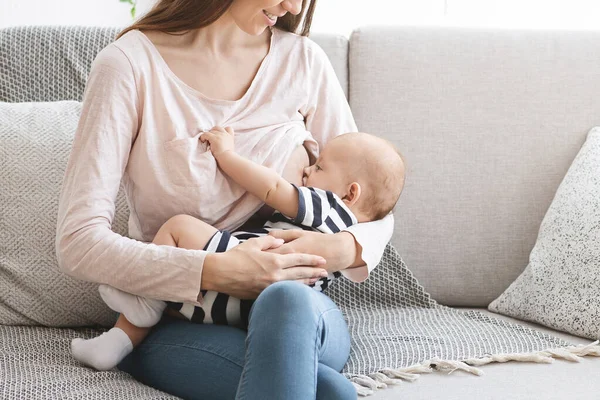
column 358, row 177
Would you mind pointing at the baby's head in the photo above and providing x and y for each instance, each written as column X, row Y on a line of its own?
column 365, row 171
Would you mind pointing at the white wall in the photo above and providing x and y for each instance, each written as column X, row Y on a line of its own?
column 341, row 16
column 67, row 12
column 337, row 16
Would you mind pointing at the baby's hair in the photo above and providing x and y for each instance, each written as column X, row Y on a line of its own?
column 383, row 175
column 388, row 176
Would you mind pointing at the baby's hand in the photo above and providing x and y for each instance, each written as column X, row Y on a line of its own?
column 219, row 139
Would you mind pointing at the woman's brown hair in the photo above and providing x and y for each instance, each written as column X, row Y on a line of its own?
column 179, row 16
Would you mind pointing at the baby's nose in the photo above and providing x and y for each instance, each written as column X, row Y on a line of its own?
column 306, row 171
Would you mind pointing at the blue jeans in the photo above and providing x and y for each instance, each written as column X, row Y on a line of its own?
column 296, row 344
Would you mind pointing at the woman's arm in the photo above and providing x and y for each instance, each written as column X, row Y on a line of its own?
column 327, row 115
column 86, row 246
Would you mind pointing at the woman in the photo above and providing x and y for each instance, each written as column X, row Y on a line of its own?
column 186, row 66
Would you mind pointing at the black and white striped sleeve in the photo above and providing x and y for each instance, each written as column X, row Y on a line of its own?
column 322, row 210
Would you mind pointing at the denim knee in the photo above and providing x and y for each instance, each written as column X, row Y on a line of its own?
column 286, row 291
column 284, row 295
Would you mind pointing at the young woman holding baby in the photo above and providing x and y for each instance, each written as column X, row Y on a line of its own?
column 184, row 68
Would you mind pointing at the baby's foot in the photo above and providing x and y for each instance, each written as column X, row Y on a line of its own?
column 140, row 311
column 103, row 352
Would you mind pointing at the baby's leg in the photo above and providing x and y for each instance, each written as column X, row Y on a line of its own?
column 184, row 231
column 138, row 314
column 179, row 231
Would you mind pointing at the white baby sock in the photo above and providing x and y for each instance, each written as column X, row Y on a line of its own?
column 140, row 311
column 103, row 352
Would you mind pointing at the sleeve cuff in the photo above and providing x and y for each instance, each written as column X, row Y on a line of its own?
column 372, row 237
column 356, row 274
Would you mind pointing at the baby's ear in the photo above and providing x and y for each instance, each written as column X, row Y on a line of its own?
column 353, row 193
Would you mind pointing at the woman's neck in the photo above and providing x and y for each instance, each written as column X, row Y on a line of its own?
column 224, row 37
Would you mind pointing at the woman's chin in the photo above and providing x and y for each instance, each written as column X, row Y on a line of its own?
column 255, row 30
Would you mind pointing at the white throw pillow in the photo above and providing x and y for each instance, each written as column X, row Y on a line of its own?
column 35, row 142
column 560, row 287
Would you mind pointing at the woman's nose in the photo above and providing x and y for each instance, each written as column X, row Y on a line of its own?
column 292, row 6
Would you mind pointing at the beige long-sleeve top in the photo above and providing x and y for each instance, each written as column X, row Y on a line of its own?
column 140, row 124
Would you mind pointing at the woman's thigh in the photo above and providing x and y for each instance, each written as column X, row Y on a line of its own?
column 294, row 330
column 302, row 314
column 192, row 361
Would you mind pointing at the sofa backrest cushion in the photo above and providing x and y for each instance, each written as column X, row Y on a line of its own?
column 489, row 122
column 48, row 63
column 51, row 63
column 35, row 141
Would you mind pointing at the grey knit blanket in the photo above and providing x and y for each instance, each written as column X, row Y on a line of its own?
column 398, row 331
column 394, row 323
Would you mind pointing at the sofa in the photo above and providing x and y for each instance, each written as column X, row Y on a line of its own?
column 488, row 120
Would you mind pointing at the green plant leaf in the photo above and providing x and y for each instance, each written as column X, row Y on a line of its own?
column 133, row 12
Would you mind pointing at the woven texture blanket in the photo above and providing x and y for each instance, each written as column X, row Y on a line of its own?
column 398, row 329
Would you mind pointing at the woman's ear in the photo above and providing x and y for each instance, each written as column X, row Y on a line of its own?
column 352, row 194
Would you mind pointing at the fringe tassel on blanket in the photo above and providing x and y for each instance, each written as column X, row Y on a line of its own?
column 366, row 384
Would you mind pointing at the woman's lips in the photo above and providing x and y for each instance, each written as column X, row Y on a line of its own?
column 270, row 18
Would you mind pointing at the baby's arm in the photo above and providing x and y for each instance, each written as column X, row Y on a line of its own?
column 261, row 181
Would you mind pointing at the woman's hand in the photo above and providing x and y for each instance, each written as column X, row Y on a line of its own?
column 340, row 250
column 247, row 269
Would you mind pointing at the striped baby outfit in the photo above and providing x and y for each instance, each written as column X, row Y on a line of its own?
column 318, row 210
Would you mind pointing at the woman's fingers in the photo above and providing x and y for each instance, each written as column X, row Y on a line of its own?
column 305, row 274
column 309, row 281
column 248, row 268
column 266, row 242
column 285, row 248
column 287, row 235
column 298, row 259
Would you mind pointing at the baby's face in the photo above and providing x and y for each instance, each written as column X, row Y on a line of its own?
column 330, row 172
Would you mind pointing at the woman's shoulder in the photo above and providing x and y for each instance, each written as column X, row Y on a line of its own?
column 120, row 54
column 297, row 46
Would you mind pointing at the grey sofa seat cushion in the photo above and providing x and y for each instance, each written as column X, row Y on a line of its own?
column 35, row 363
